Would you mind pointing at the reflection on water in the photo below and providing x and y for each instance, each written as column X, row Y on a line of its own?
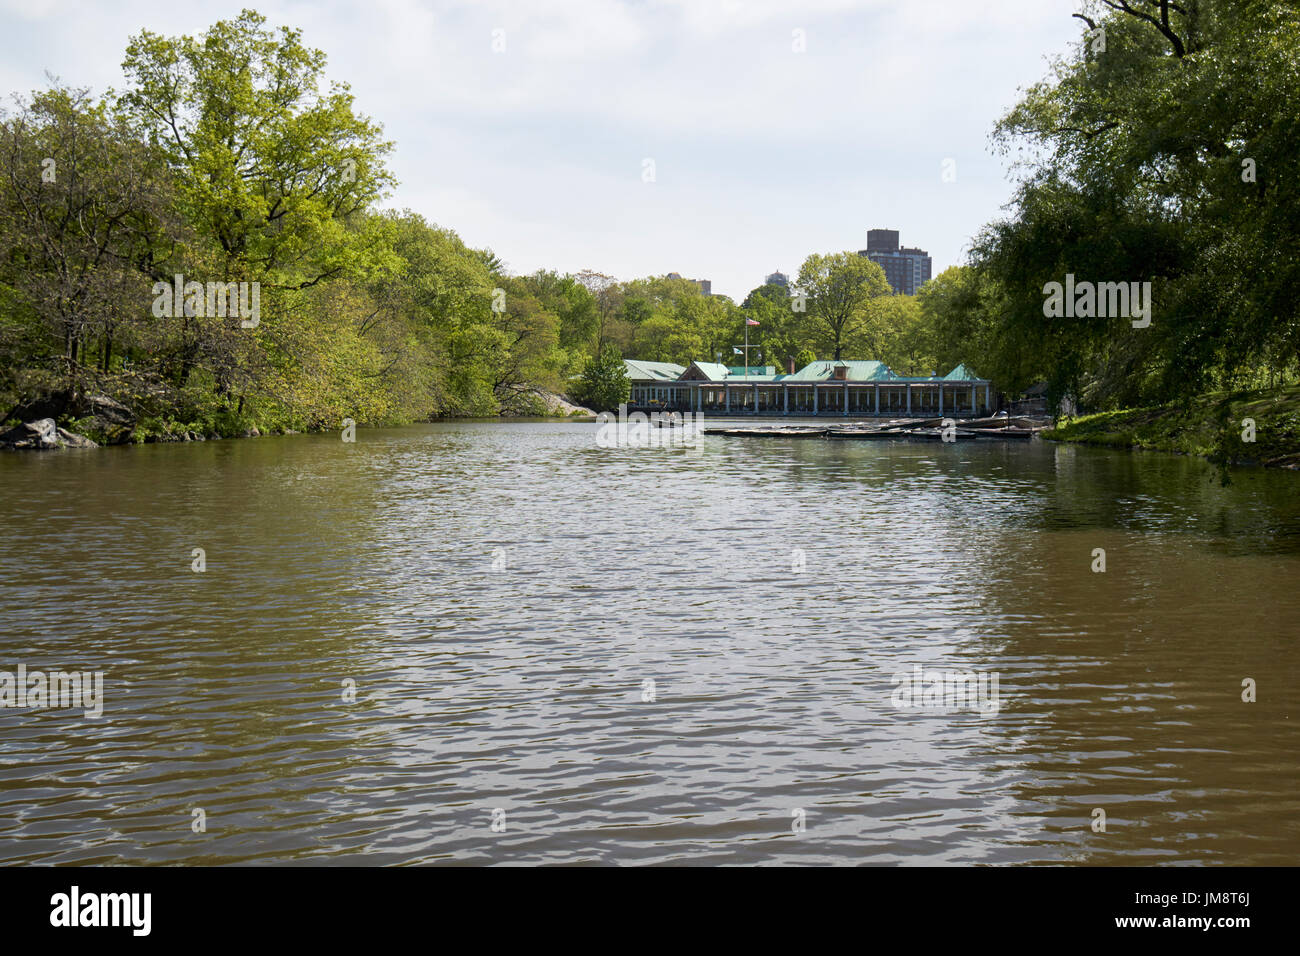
column 501, row 595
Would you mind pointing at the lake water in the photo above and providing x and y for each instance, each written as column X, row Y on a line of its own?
column 562, row 653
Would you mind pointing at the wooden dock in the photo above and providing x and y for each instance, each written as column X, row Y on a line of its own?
column 905, row 429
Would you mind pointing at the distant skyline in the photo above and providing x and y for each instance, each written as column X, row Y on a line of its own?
column 538, row 149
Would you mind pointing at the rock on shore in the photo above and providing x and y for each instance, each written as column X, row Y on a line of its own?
column 106, row 418
column 42, row 435
column 530, row 400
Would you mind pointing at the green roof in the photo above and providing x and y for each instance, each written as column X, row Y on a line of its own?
column 962, row 374
column 821, row 371
column 714, row 370
column 639, row 371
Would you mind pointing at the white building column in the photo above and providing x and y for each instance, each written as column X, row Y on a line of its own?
column 814, row 398
column 785, row 393
column 877, row 396
column 908, row 386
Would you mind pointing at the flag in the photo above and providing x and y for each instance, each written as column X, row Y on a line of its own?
column 751, row 321
column 736, row 350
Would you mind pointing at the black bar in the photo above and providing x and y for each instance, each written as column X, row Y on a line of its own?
column 331, row 905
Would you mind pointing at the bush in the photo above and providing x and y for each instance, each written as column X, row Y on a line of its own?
column 604, row 384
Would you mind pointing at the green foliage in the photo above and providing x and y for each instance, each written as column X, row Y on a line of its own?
column 83, row 205
column 1166, row 157
column 227, row 160
column 842, row 307
column 906, row 344
column 570, row 302
column 269, row 168
column 671, row 320
column 604, row 384
column 780, row 332
column 1210, row 426
column 962, row 318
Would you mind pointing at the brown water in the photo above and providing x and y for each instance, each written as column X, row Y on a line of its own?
column 522, row 689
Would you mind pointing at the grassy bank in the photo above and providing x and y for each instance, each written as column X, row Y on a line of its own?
column 1213, row 426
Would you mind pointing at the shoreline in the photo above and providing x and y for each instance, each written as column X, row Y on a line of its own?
column 1189, row 431
column 42, row 440
column 1256, row 428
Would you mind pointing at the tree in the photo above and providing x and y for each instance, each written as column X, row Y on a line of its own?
column 604, row 384
column 269, row 167
column 273, row 173
column 1162, row 152
column 83, row 206
column 608, row 298
column 840, row 288
column 571, row 302
column 906, row 344
column 668, row 337
column 529, row 335
column 780, row 332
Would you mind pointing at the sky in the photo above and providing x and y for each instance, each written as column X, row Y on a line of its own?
column 721, row 139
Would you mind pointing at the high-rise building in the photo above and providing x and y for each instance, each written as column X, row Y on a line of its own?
column 706, row 285
column 882, row 240
column 906, row 269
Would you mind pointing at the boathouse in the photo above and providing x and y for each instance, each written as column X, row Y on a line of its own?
column 858, row 389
